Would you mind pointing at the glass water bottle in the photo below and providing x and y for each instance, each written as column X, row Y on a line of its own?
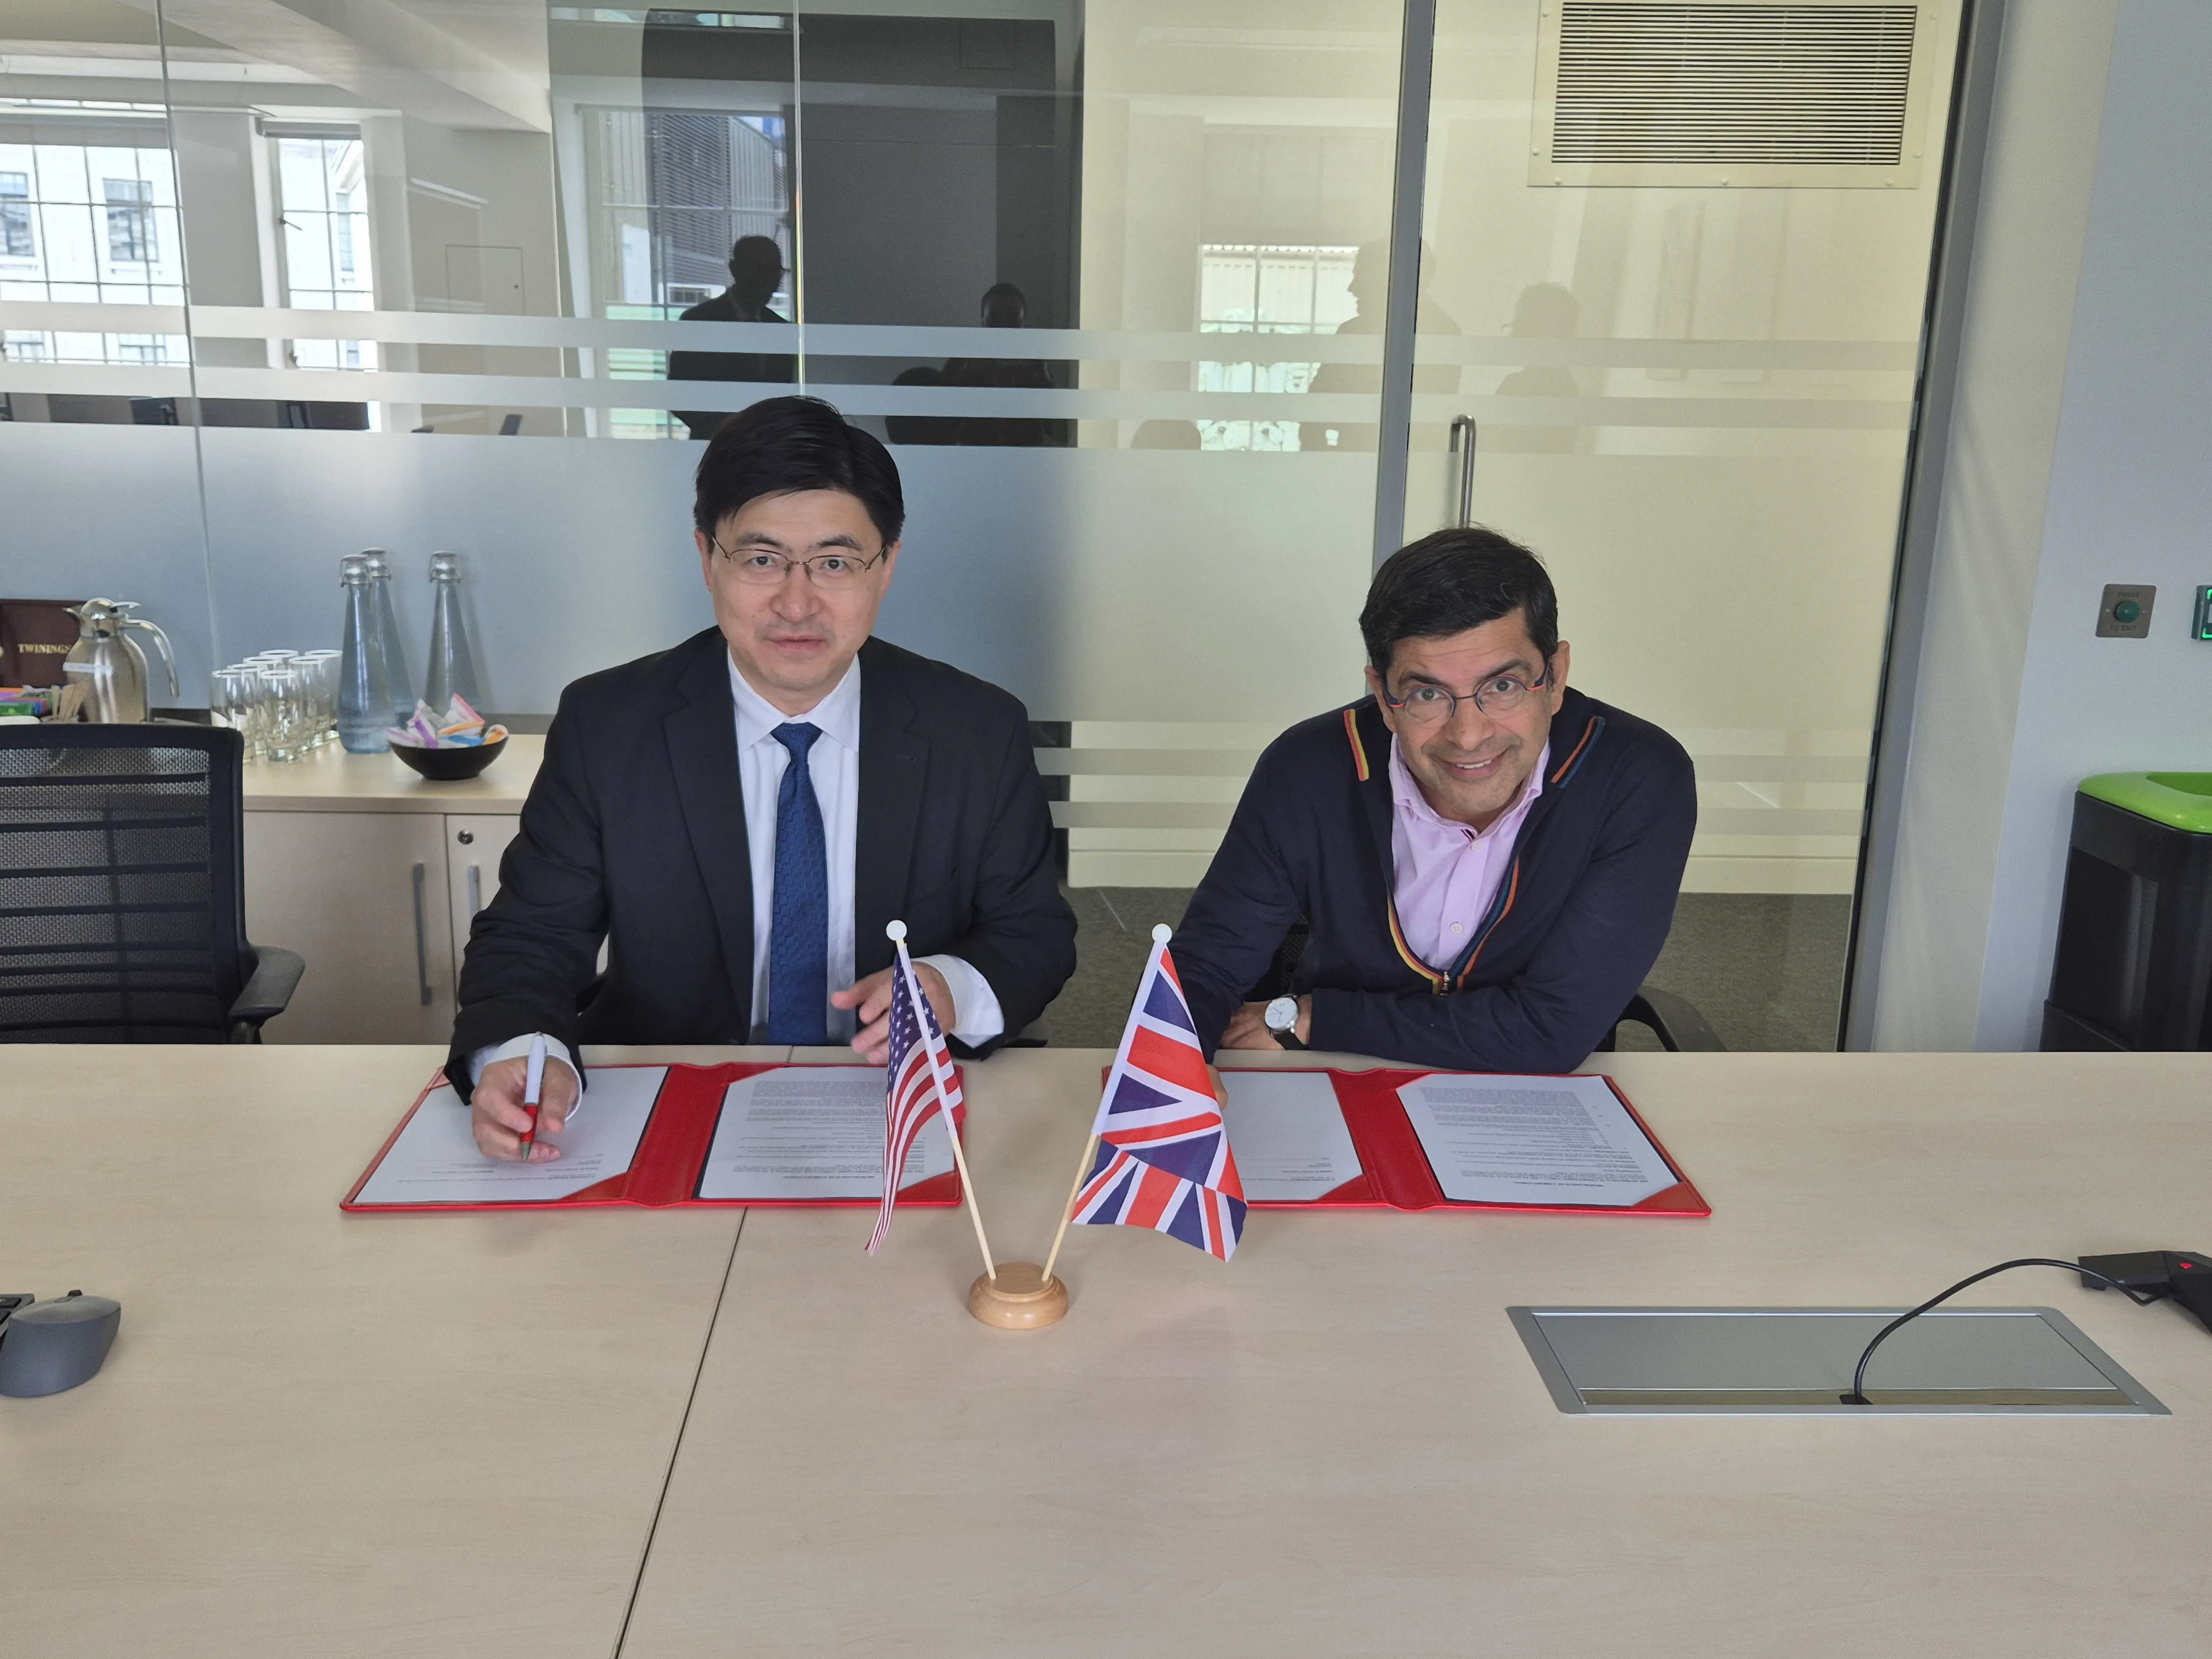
column 452, row 670
column 396, row 679
column 364, row 693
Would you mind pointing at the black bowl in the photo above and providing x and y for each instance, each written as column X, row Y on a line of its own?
column 449, row 765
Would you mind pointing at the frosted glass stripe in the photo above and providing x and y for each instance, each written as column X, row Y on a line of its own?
column 72, row 316
column 99, row 380
column 1208, row 815
column 1332, row 409
column 1145, row 762
column 864, row 340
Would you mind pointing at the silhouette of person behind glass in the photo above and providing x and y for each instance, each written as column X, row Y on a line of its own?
column 1004, row 305
column 1545, row 310
column 756, row 272
column 921, row 429
column 1371, row 296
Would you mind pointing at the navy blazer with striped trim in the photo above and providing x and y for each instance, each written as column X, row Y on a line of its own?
column 1576, row 922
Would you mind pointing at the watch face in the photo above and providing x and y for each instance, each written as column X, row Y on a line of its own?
column 1282, row 1014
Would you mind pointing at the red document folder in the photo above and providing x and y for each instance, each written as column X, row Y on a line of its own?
column 672, row 1156
column 1395, row 1171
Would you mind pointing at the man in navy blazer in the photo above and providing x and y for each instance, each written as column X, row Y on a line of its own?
column 739, row 817
column 1486, row 859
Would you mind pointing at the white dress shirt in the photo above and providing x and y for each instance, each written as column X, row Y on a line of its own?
column 834, row 766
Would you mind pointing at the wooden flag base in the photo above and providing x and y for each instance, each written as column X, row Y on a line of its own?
column 1021, row 1299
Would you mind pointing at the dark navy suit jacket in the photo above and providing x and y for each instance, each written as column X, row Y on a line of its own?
column 634, row 832
column 1578, row 922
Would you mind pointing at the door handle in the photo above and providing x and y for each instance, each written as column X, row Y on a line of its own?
column 475, row 890
column 421, row 937
column 1466, row 467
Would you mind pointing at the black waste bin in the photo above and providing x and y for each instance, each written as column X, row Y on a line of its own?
column 2133, row 969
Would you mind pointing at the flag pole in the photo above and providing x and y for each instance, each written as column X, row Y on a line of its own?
column 937, row 1073
column 967, row 1186
column 1067, row 1210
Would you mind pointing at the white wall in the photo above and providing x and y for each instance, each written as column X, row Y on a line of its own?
column 2130, row 496
column 2018, row 701
column 2012, row 377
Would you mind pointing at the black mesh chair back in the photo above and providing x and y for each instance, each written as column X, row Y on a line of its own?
column 122, row 913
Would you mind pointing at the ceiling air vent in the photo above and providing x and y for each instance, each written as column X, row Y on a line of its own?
column 1732, row 92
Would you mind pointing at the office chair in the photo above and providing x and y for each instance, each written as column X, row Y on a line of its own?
column 122, row 892
column 1674, row 1020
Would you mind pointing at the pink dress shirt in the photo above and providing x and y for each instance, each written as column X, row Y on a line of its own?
column 1445, row 873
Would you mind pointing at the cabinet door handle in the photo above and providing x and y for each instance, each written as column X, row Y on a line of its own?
column 1466, row 467
column 421, row 937
column 475, row 891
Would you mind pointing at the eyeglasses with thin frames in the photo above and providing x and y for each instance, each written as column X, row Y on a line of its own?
column 756, row 567
column 1498, row 696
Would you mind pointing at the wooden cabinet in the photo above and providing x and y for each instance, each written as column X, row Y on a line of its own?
column 474, row 846
column 361, row 897
column 379, row 904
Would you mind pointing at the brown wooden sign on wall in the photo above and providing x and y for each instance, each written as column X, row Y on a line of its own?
column 35, row 635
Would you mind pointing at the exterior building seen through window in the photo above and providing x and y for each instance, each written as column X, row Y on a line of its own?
column 324, row 200
column 1268, row 290
column 89, row 224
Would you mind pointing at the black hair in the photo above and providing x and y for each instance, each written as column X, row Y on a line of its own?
column 782, row 445
column 757, row 257
column 1453, row 581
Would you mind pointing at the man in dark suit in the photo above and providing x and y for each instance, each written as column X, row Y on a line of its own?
column 737, row 817
column 1487, row 860
column 755, row 273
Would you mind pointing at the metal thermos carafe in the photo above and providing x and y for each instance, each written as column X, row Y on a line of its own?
column 108, row 664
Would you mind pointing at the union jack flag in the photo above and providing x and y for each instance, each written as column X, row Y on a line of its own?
column 1163, row 1159
column 919, row 1079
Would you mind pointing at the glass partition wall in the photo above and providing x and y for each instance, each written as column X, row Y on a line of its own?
column 1668, row 335
column 1112, row 278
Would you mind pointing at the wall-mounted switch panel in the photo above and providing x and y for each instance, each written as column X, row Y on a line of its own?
column 2125, row 612
column 2200, row 626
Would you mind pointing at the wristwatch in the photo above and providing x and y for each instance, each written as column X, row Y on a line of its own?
column 1281, row 1018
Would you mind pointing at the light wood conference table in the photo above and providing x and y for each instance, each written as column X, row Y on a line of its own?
column 1336, row 1444
column 317, row 1433
column 322, row 1434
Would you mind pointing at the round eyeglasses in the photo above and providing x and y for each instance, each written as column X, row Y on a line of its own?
column 756, row 567
column 1499, row 695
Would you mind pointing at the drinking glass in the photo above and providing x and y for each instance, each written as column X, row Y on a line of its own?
column 247, row 706
column 230, row 700
column 323, row 686
column 284, row 699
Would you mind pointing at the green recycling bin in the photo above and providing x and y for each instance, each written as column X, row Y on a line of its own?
column 2133, row 968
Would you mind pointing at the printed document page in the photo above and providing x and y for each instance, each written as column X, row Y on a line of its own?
column 1288, row 1135
column 817, row 1132
column 1533, row 1140
column 435, row 1161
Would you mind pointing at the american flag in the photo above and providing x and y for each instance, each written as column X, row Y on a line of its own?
column 918, row 1080
column 1163, row 1159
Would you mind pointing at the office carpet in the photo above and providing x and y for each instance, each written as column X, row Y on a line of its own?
column 1765, row 968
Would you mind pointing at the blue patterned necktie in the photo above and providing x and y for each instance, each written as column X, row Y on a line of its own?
column 799, row 937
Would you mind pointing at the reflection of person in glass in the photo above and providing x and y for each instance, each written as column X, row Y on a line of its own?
column 755, row 273
column 1545, row 310
column 921, row 429
column 1371, row 294
column 1004, row 305
column 1486, row 858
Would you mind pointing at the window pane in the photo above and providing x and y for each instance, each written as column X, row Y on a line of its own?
column 300, row 174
